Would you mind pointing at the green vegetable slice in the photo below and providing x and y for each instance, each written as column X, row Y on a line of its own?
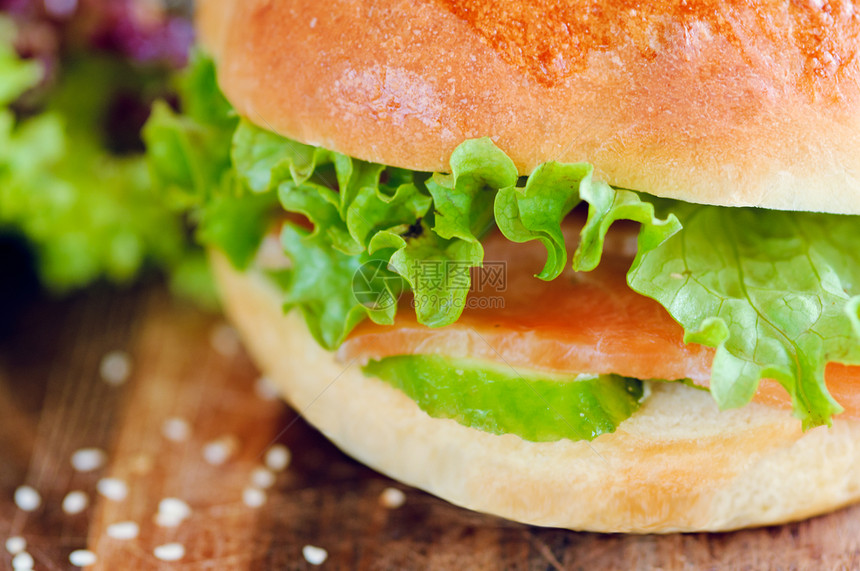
column 536, row 406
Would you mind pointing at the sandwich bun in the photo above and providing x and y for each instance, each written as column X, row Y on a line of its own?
column 677, row 464
column 718, row 102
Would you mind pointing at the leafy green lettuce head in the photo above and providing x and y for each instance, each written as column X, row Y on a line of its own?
column 775, row 293
column 87, row 212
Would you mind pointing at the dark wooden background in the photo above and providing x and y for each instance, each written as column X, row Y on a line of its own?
column 53, row 402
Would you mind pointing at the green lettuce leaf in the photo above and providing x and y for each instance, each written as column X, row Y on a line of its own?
column 323, row 286
column 607, row 205
column 463, row 200
column 191, row 157
column 236, row 220
column 436, row 269
column 320, row 205
column 535, row 211
column 374, row 210
column 355, row 212
column 264, row 159
column 533, row 405
column 437, row 256
column 773, row 291
column 188, row 158
column 189, row 153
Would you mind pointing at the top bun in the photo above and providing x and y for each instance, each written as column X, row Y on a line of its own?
column 713, row 101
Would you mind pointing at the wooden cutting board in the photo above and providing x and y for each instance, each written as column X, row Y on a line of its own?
column 186, row 364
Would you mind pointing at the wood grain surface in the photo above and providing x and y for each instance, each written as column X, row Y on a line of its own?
column 185, row 364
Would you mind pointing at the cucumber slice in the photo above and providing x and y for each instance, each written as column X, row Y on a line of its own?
column 534, row 405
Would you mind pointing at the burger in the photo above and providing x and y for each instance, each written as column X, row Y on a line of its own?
column 576, row 264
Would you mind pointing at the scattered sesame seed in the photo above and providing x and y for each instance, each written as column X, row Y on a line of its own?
column 220, row 450
column 262, row 478
column 169, row 551
column 314, row 555
column 174, row 506
column 392, row 498
column 27, row 498
column 115, row 367
column 112, row 488
column 676, row 276
column 16, row 544
column 172, row 512
column 313, row 22
column 278, row 457
column 265, row 389
column 123, row 530
column 75, row 502
column 82, row 558
column 88, row 459
column 176, row 429
column 23, row 562
column 166, row 520
column 253, row 497
column 224, row 340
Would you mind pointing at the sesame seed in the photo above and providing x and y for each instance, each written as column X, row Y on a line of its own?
column 82, row 558
column 23, row 562
column 218, row 451
column 176, row 429
column 262, row 478
column 115, row 367
column 174, row 506
column 169, row 552
column 27, row 498
column 313, row 22
column 123, row 530
column 75, row 502
column 392, row 498
column 265, row 389
column 112, row 488
column 278, row 457
column 172, row 512
column 224, row 340
column 16, row 544
column 88, row 459
column 314, row 555
column 166, row 520
column 253, row 497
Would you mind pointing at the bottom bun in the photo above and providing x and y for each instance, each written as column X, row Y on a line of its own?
column 678, row 464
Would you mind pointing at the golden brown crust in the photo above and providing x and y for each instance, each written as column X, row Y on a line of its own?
column 724, row 102
column 678, row 464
